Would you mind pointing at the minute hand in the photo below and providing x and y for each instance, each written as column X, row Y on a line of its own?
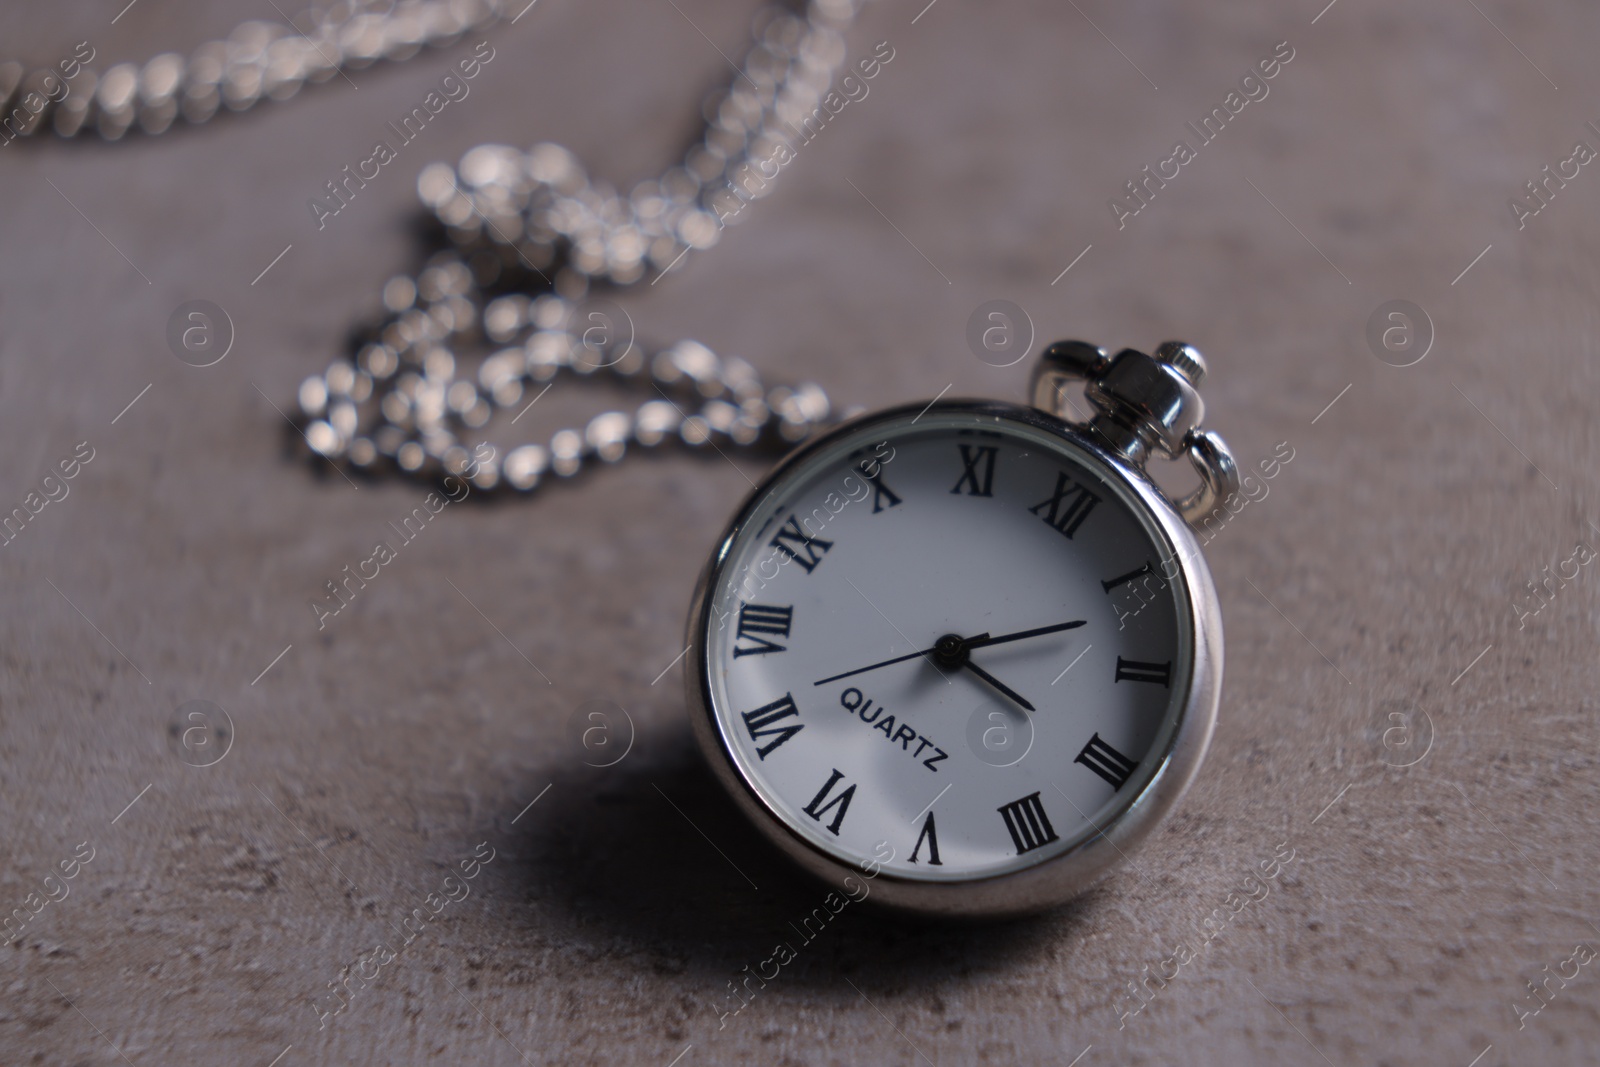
column 983, row 640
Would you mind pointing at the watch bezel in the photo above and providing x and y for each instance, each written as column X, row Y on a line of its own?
column 1061, row 877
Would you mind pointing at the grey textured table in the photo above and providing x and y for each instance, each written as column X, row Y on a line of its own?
column 1376, row 599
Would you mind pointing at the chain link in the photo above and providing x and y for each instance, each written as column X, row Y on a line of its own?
column 524, row 237
column 258, row 61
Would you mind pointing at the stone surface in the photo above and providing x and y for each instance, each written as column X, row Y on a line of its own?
column 1381, row 574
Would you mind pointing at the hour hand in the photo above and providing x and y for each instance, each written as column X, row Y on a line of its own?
column 998, row 684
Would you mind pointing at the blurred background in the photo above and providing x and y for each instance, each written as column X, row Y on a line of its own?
column 250, row 805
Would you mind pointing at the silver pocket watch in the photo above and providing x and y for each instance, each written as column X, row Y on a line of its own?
column 970, row 646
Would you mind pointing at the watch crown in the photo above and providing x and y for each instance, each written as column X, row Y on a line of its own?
column 1147, row 401
column 1141, row 401
column 1185, row 359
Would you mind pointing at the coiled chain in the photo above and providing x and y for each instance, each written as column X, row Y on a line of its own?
column 525, row 237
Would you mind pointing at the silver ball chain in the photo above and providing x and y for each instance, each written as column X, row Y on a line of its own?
column 526, row 235
column 258, row 61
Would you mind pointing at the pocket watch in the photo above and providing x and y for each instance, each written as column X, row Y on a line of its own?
column 970, row 647
column 967, row 646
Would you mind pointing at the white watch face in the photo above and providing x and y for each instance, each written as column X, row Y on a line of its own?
column 947, row 645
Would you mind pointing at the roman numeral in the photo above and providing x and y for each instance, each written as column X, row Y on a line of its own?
column 1124, row 579
column 763, row 722
column 1106, row 761
column 794, row 542
column 931, row 836
column 1131, row 670
column 817, row 809
column 1029, row 825
column 972, row 458
column 758, row 619
column 1069, row 505
column 883, row 497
